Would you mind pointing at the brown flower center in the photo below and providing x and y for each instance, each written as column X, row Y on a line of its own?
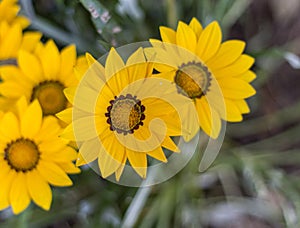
column 51, row 97
column 193, row 79
column 125, row 114
column 22, row 155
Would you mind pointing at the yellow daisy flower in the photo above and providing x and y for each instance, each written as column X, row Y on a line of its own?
column 41, row 75
column 9, row 10
column 32, row 156
column 120, row 113
column 214, row 75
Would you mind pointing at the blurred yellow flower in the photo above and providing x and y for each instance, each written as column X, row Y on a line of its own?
column 32, row 156
column 12, row 40
column 9, row 10
column 214, row 75
column 121, row 113
column 41, row 75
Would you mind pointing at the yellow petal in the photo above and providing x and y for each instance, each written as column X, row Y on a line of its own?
column 31, row 120
column 85, row 98
column 143, row 140
column 9, row 71
column 93, row 80
column 6, row 182
column 89, row 151
column 158, row 154
column 229, row 52
column 209, row 119
column 68, row 60
column 19, row 196
column 30, row 40
column 70, row 93
column 167, row 34
column 170, row 145
column 63, row 155
column 137, row 67
column 114, row 64
column 9, row 127
column 39, row 190
column 90, row 59
column 53, row 174
column 248, row 76
column 69, row 167
column 53, row 145
column 166, row 120
column 50, row 59
column 190, row 121
column 240, row 66
column 196, row 27
column 155, row 43
column 234, row 88
column 95, row 75
column 82, row 161
column 7, row 104
column 110, row 157
column 233, row 114
column 50, row 129
column 138, row 161
column 169, row 125
column 209, row 41
column 242, row 106
column 169, row 58
column 85, row 128
column 23, row 21
column 68, row 133
column 13, row 90
column 81, row 67
column 12, row 41
column 66, row 115
column 119, row 171
column 21, row 106
column 31, row 66
column 185, row 37
column 166, row 69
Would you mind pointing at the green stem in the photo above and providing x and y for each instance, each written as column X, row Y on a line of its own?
column 234, row 13
column 277, row 142
column 172, row 13
column 258, row 125
column 134, row 210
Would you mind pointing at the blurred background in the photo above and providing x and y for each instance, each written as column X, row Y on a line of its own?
column 255, row 180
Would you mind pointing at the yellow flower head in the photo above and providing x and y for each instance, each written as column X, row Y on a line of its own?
column 214, row 75
column 121, row 113
column 41, row 75
column 32, row 156
column 12, row 40
column 9, row 10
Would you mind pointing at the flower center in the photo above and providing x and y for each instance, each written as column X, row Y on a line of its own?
column 125, row 114
column 193, row 79
column 22, row 155
column 51, row 97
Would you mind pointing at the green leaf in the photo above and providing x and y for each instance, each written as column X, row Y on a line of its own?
column 105, row 25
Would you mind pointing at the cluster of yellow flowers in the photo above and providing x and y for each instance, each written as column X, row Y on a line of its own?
column 33, row 75
column 119, row 112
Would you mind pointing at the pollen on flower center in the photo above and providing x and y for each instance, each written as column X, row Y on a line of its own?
column 22, row 155
column 193, row 79
column 51, row 97
column 125, row 114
